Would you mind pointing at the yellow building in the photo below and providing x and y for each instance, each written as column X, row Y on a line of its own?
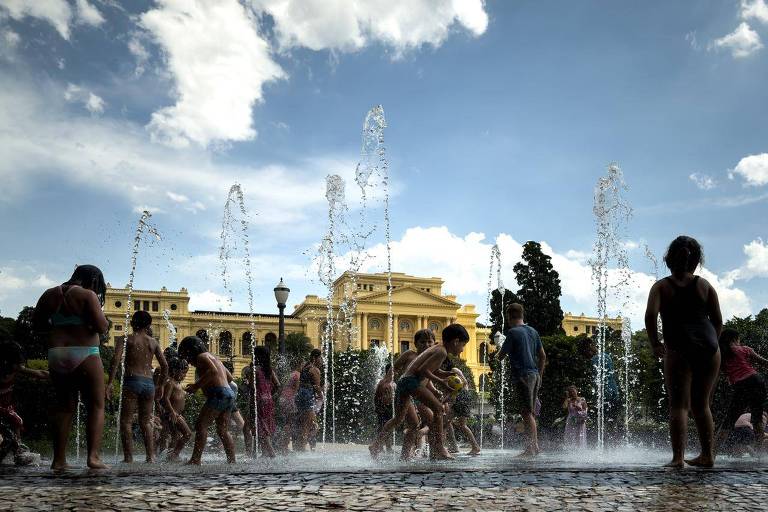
column 417, row 303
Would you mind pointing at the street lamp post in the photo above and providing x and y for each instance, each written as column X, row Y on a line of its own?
column 281, row 295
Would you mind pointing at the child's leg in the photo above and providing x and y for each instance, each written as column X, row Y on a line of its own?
column 427, row 398
column 62, row 411
column 126, row 422
column 146, row 425
column 410, row 437
column 468, row 435
column 248, row 436
column 401, row 408
column 183, row 434
column 207, row 415
column 91, row 373
column 222, row 428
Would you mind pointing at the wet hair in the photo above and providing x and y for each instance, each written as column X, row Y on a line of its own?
column 727, row 337
column 261, row 355
column 387, row 368
column 515, row 311
column 684, row 254
column 176, row 364
column 11, row 355
column 170, row 353
column 315, row 354
column 141, row 320
column 90, row 278
column 423, row 336
column 191, row 347
column 455, row 331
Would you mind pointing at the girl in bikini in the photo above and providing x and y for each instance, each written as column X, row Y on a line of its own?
column 71, row 317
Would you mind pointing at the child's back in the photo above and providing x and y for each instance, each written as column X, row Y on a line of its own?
column 139, row 353
column 216, row 375
column 428, row 361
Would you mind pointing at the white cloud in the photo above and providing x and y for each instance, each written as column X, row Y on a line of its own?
column 463, row 262
column 9, row 41
column 43, row 281
column 20, row 285
column 753, row 168
column 756, row 264
column 76, row 94
column 702, row 181
column 56, row 12
column 219, row 63
column 146, row 208
column 209, row 301
column 351, row 24
column 757, row 9
column 139, row 52
column 88, row 14
column 177, row 198
column 742, row 42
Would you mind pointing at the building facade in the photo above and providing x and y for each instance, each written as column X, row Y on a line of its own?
column 417, row 303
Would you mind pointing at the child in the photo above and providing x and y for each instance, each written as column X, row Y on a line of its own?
column 214, row 382
column 286, row 410
column 382, row 400
column 266, row 383
column 174, row 402
column 748, row 386
column 138, row 384
column 11, row 366
column 310, row 390
column 426, row 367
column 461, row 411
column 576, row 423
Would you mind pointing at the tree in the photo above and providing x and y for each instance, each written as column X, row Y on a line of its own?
column 297, row 345
column 6, row 328
column 496, row 309
column 539, row 290
column 33, row 344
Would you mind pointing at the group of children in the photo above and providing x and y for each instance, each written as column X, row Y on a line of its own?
column 429, row 396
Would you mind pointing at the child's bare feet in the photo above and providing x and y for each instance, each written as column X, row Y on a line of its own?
column 527, row 454
column 95, row 463
column 374, row 449
column 60, row 466
column 441, row 454
column 674, row 464
column 127, row 460
column 701, row 462
column 151, row 460
column 193, row 462
column 474, row 451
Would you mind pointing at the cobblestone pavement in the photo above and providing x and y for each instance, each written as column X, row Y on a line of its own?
column 536, row 489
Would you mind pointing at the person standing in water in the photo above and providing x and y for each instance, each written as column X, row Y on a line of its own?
column 576, row 423
column 691, row 319
column 310, row 388
column 527, row 360
column 71, row 317
column 139, row 390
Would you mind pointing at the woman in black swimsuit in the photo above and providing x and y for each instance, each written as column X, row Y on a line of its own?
column 691, row 321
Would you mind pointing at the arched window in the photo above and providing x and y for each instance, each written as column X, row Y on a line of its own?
column 434, row 326
column 225, row 343
column 245, row 343
column 270, row 340
column 405, row 325
column 483, row 382
column 203, row 335
column 375, row 324
column 482, row 353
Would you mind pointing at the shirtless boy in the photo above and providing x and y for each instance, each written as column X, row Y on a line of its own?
column 138, row 384
column 214, row 381
column 418, row 415
column 424, row 368
column 174, row 402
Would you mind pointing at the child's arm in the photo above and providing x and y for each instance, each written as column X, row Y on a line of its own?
column 273, row 378
column 119, row 347
column 432, row 365
column 35, row 374
column 442, row 373
column 163, row 364
column 167, row 393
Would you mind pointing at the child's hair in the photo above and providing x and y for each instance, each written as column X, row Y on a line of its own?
column 90, row 278
column 177, row 364
column 455, row 331
column 387, row 368
column 515, row 311
column 191, row 347
column 571, row 387
column 727, row 337
column 315, row 354
column 684, row 254
column 170, row 353
column 261, row 355
column 10, row 356
column 141, row 320
column 423, row 336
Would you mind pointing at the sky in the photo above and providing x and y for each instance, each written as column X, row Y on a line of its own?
column 501, row 118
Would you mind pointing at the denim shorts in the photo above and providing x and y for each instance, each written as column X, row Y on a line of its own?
column 305, row 400
column 221, row 398
column 142, row 387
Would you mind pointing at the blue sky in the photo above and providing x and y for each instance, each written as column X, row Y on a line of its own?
column 501, row 118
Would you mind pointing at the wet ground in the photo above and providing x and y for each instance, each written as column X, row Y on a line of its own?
column 344, row 478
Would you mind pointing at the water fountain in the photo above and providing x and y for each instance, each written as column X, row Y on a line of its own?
column 495, row 264
column 171, row 328
column 143, row 229
column 611, row 212
column 235, row 205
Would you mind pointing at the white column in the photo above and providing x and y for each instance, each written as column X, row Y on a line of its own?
column 363, row 331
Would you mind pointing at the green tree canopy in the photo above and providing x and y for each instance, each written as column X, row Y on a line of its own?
column 33, row 344
column 539, row 290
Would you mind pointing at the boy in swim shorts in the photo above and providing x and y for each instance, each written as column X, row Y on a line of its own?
column 214, row 381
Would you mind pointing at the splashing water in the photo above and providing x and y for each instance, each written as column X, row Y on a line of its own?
column 143, row 230
column 235, row 205
column 612, row 212
column 655, row 263
column 171, row 328
column 626, row 338
column 79, row 425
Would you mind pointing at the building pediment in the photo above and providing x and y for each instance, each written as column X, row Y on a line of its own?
column 409, row 295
